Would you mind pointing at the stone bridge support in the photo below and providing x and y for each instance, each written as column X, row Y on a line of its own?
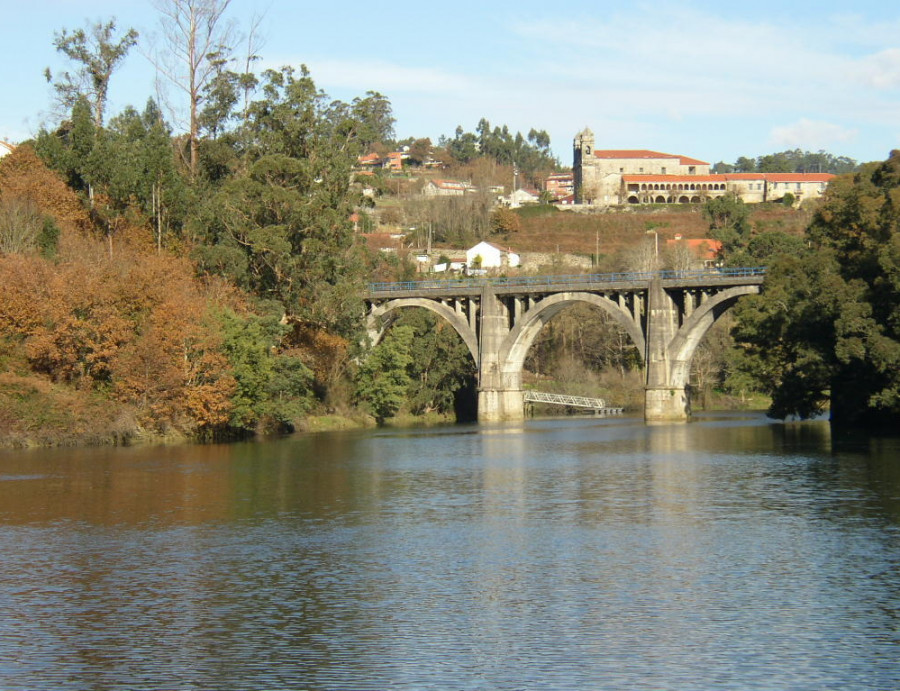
column 663, row 399
column 675, row 329
column 500, row 394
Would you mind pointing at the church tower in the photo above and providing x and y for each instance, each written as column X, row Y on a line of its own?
column 582, row 155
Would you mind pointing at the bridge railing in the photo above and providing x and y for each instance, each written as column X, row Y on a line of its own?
column 550, row 281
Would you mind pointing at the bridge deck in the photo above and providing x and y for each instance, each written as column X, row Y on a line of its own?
column 538, row 284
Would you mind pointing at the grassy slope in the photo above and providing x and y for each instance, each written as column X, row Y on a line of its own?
column 578, row 233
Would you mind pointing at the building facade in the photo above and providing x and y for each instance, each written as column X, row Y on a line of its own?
column 638, row 176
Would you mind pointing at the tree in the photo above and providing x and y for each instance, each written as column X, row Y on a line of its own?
column 825, row 329
column 98, row 54
column 196, row 38
column 788, row 334
column 440, row 363
column 374, row 118
column 281, row 227
column 271, row 389
column 141, row 171
column 505, row 221
column 20, row 226
column 382, row 380
column 729, row 223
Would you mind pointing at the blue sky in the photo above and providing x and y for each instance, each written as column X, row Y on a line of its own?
column 712, row 80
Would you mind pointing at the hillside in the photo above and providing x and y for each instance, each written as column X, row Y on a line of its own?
column 546, row 230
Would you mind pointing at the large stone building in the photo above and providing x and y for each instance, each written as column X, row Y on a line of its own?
column 637, row 176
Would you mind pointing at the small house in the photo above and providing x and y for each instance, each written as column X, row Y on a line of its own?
column 486, row 255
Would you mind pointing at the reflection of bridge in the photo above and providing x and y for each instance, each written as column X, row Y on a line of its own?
column 665, row 313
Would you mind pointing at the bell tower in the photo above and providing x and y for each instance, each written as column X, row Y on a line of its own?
column 582, row 155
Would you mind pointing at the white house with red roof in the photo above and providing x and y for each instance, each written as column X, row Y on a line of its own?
column 5, row 148
column 486, row 255
column 640, row 176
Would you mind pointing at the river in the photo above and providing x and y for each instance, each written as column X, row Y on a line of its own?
column 576, row 553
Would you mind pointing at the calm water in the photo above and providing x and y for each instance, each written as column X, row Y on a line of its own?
column 728, row 553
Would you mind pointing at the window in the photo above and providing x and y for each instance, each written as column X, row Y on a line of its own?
column 664, row 170
column 621, row 170
column 640, row 170
column 692, row 170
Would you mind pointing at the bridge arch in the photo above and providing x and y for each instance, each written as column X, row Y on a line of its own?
column 375, row 328
column 519, row 340
column 694, row 328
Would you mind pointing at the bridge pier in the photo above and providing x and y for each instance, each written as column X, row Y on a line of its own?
column 667, row 404
column 500, row 394
column 501, row 406
column 665, row 399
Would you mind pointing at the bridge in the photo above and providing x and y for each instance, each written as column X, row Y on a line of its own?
column 598, row 405
column 665, row 313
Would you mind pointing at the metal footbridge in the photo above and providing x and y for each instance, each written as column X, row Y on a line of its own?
column 598, row 405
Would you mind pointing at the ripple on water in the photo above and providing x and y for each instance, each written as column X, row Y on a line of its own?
column 574, row 555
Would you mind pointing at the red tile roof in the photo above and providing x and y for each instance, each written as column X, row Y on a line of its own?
column 796, row 177
column 730, row 177
column 706, row 248
column 450, row 184
column 674, row 178
column 645, row 153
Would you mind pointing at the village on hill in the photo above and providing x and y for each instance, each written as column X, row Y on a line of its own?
column 604, row 189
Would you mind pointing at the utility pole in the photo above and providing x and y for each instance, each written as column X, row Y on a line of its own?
column 656, row 245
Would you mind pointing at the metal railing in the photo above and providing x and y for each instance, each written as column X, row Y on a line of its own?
column 550, row 281
column 565, row 399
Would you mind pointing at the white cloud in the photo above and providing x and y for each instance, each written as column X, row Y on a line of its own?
column 811, row 135
column 881, row 70
column 676, row 59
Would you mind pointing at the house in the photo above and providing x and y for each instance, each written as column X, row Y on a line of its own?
column 705, row 250
column 392, row 161
column 486, row 255
column 370, row 161
column 5, row 148
column 641, row 176
column 446, row 188
column 520, row 197
column 560, row 185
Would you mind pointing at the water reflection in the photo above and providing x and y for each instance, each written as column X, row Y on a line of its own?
column 727, row 553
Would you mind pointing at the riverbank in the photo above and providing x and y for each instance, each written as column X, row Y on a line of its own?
column 35, row 413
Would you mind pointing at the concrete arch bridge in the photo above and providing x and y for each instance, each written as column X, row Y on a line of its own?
column 665, row 313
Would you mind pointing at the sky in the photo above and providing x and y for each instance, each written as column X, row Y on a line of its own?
column 709, row 80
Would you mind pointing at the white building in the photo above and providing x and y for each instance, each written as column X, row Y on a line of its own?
column 5, row 148
column 486, row 255
column 521, row 197
column 446, row 188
